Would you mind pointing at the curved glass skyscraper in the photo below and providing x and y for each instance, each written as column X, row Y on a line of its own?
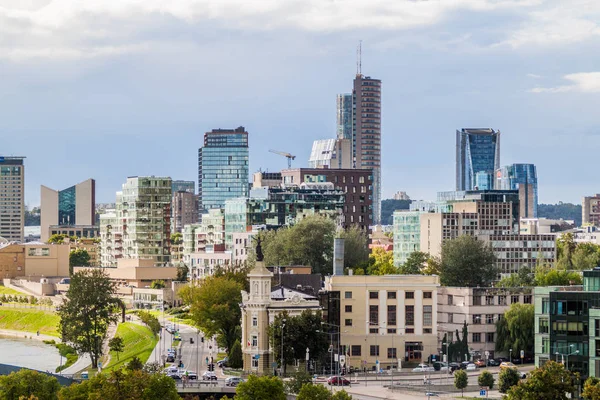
column 477, row 150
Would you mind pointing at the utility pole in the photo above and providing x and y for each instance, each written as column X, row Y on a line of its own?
column 282, row 326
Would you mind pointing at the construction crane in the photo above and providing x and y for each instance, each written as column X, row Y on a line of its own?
column 287, row 155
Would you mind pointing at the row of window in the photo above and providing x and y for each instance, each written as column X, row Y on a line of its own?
column 391, row 295
column 409, row 316
column 490, row 300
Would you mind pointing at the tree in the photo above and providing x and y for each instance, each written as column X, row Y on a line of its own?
column 516, row 330
column 310, row 391
column 565, row 247
column 467, row 261
column 565, row 211
column 57, row 238
column 260, row 388
column 157, row 284
column 549, row 276
column 214, row 307
column 341, row 395
column 235, row 356
column 87, row 310
column 507, row 378
column 414, row 263
column 26, row 383
column 381, row 262
column 591, row 388
column 486, row 379
column 116, row 344
column 298, row 380
column 461, row 381
column 182, row 273
column 135, row 364
column 586, row 256
column 176, row 238
column 433, row 266
column 78, row 258
column 356, row 247
column 523, row 278
column 548, row 382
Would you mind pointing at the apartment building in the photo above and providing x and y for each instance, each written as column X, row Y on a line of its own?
column 590, row 211
column 385, row 321
column 184, row 209
column 12, row 198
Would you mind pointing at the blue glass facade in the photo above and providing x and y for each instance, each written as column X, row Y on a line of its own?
column 344, row 116
column 521, row 177
column 67, row 206
column 183, row 186
column 477, row 150
column 223, row 167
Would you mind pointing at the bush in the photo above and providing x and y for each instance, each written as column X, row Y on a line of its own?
column 486, row 379
column 313, row 392
column 298, row 380
column 235, row 356
column 508, row 378
column 461, row 380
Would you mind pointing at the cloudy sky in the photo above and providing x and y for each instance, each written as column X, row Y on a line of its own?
column 114, row 88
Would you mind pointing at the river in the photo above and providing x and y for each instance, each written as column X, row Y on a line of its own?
column 28, row 353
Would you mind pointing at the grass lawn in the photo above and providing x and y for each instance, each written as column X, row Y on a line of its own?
column 10, row 291
column 29, row 320
column 138, row 341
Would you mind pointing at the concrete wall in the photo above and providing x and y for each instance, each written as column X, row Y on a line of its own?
column 85, row 202
column 55, row 263
column 36, row 288
column 49, row 211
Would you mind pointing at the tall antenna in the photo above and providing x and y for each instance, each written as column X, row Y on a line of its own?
column 359, row 58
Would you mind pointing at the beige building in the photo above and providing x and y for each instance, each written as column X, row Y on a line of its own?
column 266, row 179
column 590, row 210
column 259, row 307
column 157, row 298
column 480, row 308
column 534, row 226
column 72, row 206
column 137, row 272
column 12, row 260
column 34, row 260
column 387, row 320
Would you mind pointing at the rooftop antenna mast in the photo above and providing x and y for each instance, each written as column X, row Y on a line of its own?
column 359, row 58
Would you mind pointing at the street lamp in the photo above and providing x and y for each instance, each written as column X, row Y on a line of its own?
column 510, row 356
column 339, row 332
column 282, row 326
column 331, row 357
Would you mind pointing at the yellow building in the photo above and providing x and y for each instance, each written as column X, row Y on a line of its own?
column 385, row 321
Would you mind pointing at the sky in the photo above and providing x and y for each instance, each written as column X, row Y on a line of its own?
column 107, row 89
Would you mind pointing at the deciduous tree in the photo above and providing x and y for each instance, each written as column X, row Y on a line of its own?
column 381, row 262
column 467, row 261
column 548, row 382
column 461, row 380
column 260, row 388
column 87, row 310
column 78, row 258
column 516, row 330
column 310, row 391
column 414, row 263
column 486, row 379
column 116, row 344
column 341, row 395
column 356, row 249
column 26, row 383
column 507, row 378
column 591, row 388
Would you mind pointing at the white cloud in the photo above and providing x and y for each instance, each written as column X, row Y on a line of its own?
column 583, row 82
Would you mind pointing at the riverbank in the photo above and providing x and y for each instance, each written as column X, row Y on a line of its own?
column 27, row 335
column 30, row 320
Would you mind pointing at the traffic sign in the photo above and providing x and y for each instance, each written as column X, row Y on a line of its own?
column 483, row 392
column 487, row 353
column 342, row 360
column 522, row 353
column 274, row 364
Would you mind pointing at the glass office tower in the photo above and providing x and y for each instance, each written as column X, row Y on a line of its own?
column 521, row 177
column 344, row 116
column 223, row 167
column 477, row 150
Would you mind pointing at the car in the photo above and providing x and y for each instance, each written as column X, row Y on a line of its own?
column 223, row 363
column 480, row 363
column 440, row 366
column 171, row 370
column 209, row 376
column 338, row 381
column 454, row 366
column 471, row 367
column 493, row 363
column 170, row 358
column 177, row 377
column 431, row 394
column 423, row 368
column 507, row 364
column 233, row 381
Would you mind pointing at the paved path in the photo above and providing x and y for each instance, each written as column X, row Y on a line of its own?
column 83, row 362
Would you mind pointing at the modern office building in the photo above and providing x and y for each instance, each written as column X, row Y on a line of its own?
column 407, row 234
column 184, row 210
column 480, row 308
column 366, row 133
column 331, row 153
column 183, row 186
column 385, row 320
column 140, row 227
column 567, row 325
column 477, row 150
column 12, row 200
column 223, row 167
column 590, row 211
column 521, row 177
column 73, row 206
column 484, row 180
column 357, row 184
column 344, row 116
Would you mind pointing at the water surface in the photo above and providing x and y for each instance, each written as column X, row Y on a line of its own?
column 28, row 353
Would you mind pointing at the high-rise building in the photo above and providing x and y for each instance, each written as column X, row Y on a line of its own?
column 184, row 210
column 183, row 186
column 521, row 177
column 223, row 167
column 140, row 227
column 366, row 133
column 344, row 116
column 590, row 210
column 74, row 206
column 477, row 150
column 331, row 153
column 12, row 201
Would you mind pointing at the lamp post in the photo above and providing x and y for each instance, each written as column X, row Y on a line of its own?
column 331, row 357
column 510, row 356
column 339, row 332
column 307, row 358
column 282, row 326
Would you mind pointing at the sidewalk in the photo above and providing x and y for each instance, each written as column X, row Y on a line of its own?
column 82, row 363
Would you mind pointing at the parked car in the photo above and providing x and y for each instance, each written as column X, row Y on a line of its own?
column 192, row 376
column 471, row 367
column 233, row 381
column 423, row 368
column 209, row 376
column 440, row 366
column 338, row 381
column 223, row 363
column 493, row 363
column 454, row 366
column 171, row 358
column 171, row 370
column 175, row 376
column 507, row 364
column 480, row 363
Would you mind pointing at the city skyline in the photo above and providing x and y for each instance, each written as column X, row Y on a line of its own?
column 115, row 95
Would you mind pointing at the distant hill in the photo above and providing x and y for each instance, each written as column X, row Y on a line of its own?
column 388, row 207
column 561, row 210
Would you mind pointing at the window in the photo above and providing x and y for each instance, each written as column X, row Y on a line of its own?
column 544, row 325
column 489, row 318
column 476, row 337
column 391, row 316
column 374, row 315
column 391, row 295
column 409, row 330
column 254, row 362
column 374, row 351
column 489, row 300
column 501, row 300
column 347, row 295
column 546, row 345
column 374, row 330
column 254, row 340
column 356, row 350
column 254, row 321
column 597, row 327
column 373, row 295
column 450, row 300
column 476, row 318
column 514, row 299
column 489, row 337
column 348, row 322
column 409, row 311
column 527, row 299
column 348, row 308
column 476, row 300
column 427, row 330
column 545, row 306
column 391, row 352
column 409, row 295
column 450, row 318
column 391, row 330
column 427, row 295
column 427, row 316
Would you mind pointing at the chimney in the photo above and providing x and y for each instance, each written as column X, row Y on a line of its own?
column 338, row 256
